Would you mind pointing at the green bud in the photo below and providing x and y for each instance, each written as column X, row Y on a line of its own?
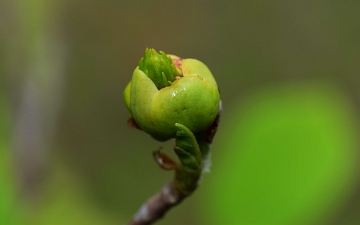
column 190, row 98
column 158, row 67
column 127, row 96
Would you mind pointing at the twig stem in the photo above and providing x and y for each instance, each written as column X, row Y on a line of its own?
column 156, row 207
column 194, row 153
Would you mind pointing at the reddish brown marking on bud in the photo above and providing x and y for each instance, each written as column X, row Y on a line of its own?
column 132, row 123
column 211, row 130
column 177, row 62
column 164, row 161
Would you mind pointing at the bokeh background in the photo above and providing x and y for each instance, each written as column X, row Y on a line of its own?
column 287, row 150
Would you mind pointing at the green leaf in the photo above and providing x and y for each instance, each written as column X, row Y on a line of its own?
column 288, row 157
column 187, row 147
column 188, row 151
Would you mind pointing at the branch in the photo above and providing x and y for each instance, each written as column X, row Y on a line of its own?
column 156, row 207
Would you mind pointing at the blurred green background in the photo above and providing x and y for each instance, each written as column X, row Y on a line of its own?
column 287, row 150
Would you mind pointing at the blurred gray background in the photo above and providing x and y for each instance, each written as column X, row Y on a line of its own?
column 68, row 156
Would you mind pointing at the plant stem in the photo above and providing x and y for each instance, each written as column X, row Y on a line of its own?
column 187, row 175
column 156, row 207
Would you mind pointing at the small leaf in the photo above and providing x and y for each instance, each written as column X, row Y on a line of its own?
column 186, row 145
column 190, row 164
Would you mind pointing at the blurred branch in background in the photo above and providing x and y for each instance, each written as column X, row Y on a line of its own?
column 36, row 56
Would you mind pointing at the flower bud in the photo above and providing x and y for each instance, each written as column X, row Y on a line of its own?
column 158, row 67
column 165, row 90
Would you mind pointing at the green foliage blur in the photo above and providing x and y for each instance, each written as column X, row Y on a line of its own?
column 287, row 149
column 291, row 158
column 7, row 194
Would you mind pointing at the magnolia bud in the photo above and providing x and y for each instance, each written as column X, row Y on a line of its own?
column 165, row 90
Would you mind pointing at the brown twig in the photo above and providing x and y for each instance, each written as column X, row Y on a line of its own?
column 156, row 207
